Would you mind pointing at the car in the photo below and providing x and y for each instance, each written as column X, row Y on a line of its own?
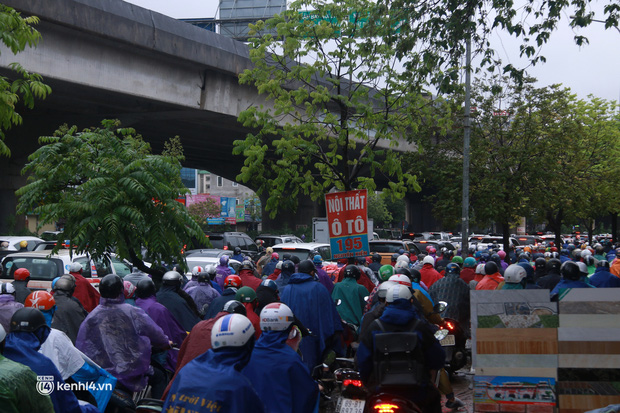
column 52, row 235
column 386, row 248
column 44, row 267
column 435, row 236
column 305, row 250
column 14, row 240
column 438, row 245
column 271, row 240
column 531, row 240
column 486, row 241
column 549, row 238
column 230, row 240
column 205, row 257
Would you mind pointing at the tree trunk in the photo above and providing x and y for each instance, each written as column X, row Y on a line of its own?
column 506, row 240
column 614, row 227
column 555, row 222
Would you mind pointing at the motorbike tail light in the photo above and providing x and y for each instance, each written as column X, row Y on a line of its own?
column 356, row 383
column 450, row 325
column 386, row 408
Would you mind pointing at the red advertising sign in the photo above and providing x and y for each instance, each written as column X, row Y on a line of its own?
column 347, row 221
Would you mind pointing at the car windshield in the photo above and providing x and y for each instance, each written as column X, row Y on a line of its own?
column 299, row 253
column 386, row 246
column 526, row 240
column 206, row 254
column 217, row 241
column 40, row 268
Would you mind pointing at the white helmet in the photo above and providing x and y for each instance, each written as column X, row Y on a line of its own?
column 514, row 274
column 401, row 264
column 481, row 247
column 7, row 288
column 211, row 270
column 276, row 317
column 403, row 258
column 75, row 267
column 401, row 279
column 586, row 253
column 480, row 269
column 2, row 333
column 384, row 287
column 397, row 292
column 232, row 330
column 279, row 265
column 583, row 268
column 429, row 260
column 197, row 270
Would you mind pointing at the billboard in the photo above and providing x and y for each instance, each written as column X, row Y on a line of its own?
column 347, row 219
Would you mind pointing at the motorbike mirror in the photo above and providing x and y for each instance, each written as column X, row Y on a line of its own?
column 441, row 334
column 338, row 302
column 440, row 307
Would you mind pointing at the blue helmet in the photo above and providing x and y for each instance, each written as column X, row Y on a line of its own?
column 317, row 259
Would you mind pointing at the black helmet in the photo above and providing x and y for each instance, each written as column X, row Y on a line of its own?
column 570, row 271
column 296, row 259
column 453, row 269
column 603, row 263
column 234, row 307
column 447, row 253
column 404, row 271
column 540, row 263
column 416, row 276
column 352, row 271
column 395, row 256
column 490, row 268
column 203, row 277
column 524, row 256
column 65, row 283
column 496, row 259
column 306, row 267
column 286, row 256
column 246, row 265
column 288, row 266
column 172, row 278
column 553, row 265
column 376, row 257
column 145, row 288
column 111, row 286
column 237, row 251
column 589, row 260
column 27, row 319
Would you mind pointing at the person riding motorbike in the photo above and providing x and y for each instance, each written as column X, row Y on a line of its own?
column 231, row 285
column 28, row 332
column 400, row 317
column 203, row 292
column 602, row 278
column 168, row 296
column 351, row 295
column 232, row 341
column 69, row 313
column 571, row 278
column 275, row 364
column 246, row 273
column 8, row 305
column 223, row 271
column 21, row 277
column 114, row 324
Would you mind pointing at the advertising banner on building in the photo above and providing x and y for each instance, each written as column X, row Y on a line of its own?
column 347, row 218
column 240, row 213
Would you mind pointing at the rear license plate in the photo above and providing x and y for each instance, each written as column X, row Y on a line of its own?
column 448, row 340
column 350, row 405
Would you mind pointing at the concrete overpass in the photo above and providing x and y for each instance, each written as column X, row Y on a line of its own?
column 111, row 59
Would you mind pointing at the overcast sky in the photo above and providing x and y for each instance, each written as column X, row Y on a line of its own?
column 592, row 69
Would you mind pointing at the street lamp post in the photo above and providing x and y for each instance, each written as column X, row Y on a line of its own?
column 466, row 136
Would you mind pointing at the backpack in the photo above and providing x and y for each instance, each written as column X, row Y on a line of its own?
column 398, row 356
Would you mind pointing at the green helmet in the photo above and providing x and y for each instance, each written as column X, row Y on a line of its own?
column 458, row 260
column 470, row 262
column 245, row 295
column 385, row 272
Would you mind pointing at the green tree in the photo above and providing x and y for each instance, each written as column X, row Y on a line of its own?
column 431, row 36
column 336, row 106
column 17, row 33
column 378, row 211
column 114, row 194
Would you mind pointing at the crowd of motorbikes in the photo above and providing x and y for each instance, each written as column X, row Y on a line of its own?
column 344, row 392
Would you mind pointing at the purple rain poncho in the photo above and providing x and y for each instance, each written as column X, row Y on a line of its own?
column 223, row 271
column 203, row 294
column 168, row 324
column 119, row 337
column 8, row 306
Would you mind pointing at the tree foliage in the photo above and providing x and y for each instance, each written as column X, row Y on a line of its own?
column 334, row 113
column 535, row 152
column 17, row 33
column 431, row 36
column 112, row 192
column 209, row 208
column 378, row 211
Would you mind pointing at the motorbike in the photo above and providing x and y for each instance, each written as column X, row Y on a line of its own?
column 455, row 345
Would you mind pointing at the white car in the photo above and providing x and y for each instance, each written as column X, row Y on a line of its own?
column 14, row 240
column 304, row 250
column 44, row 267
column 205, row 257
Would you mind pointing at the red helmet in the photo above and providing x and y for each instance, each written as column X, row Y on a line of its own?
column 233, row 281
column 21, row 274
column 432, row 250
column 41, row 300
